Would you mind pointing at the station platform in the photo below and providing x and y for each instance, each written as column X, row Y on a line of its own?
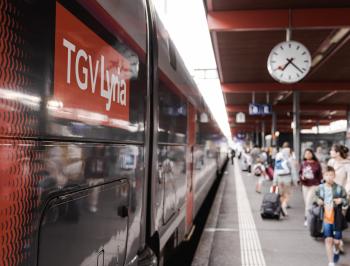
column 235, row 234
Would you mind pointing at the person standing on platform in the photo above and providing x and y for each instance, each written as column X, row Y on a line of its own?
column 233, row 155
column 259, row 171
column 310, row 177
column 341, row 164
column 333, row 198
column 283, row 175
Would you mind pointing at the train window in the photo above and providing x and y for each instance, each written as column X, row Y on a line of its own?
column 172, row 54
column 172, row 116
column 80, row 70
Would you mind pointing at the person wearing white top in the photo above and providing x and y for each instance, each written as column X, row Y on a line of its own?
column 341, row 164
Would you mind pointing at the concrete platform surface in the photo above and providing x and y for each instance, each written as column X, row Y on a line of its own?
column 235, row 234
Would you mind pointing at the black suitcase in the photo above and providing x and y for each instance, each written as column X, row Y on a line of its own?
column 315, row 221
column 347, row 216
column 271, row 206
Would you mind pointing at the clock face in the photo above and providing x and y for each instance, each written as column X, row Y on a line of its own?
column 289, row 62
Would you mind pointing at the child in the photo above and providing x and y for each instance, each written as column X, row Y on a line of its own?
column 332, row 197
column 260, row 172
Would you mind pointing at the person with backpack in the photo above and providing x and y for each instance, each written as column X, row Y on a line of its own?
column 259, row 171
column 333, row 198
column 310, row 176
column 283, row 176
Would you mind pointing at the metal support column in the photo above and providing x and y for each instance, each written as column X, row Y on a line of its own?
column 257, row 142
column 296, row 122
column 263, row 141
column 273, row 129
column 347, row 136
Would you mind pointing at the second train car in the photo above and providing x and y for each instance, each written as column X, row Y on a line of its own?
column 103, row 159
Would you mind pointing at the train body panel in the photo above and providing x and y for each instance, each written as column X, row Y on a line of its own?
column 98, row 147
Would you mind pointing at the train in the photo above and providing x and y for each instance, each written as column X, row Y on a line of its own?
column 104, row 157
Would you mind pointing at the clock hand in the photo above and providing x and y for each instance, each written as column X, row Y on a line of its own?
column 278, row 68
column 290, row 61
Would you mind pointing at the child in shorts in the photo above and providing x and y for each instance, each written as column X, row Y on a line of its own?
column 332, row 197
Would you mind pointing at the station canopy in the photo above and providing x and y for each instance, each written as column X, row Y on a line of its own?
column 243, row 34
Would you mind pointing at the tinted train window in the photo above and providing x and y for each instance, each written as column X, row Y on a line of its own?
column 79, row 69
column 172, row 116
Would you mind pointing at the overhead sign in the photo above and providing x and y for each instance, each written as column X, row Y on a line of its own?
column 91, row 77
column 260, row 109
column 241, row 136
column 240, row 117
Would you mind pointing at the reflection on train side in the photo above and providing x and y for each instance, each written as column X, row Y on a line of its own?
column 171, row 179
column 108, row 178
column 206, row 161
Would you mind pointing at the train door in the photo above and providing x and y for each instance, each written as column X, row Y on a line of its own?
column 73, row 233
column 191, row 138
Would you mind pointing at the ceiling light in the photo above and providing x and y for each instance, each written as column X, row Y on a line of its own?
column 339, row 35
column 316, row 60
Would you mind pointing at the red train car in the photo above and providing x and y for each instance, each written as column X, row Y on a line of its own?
column 102, row 158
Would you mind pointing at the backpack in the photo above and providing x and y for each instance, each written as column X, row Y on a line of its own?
column 257, row 171
column 282, row 167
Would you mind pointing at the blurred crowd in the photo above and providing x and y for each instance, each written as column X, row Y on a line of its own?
column 323, row 178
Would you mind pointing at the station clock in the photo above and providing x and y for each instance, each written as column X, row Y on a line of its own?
column 289, row 62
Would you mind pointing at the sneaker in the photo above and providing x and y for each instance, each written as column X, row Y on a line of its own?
column 305, row 223
column 336, row 255
column 331, row 264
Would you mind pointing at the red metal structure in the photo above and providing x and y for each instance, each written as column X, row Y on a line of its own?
column 243, row 33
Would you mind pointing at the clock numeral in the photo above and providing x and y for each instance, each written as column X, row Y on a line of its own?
column 281, row 47
column 289, row 77
column 290, row 45
column 304, row 68
column 273, row 61
column 303, row 53
column 298, row 75
column 306, row 61
column 298, row 47
column 275, row 53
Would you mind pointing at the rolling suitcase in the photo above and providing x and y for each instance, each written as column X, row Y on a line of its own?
column 315, row 221
column 271, row 205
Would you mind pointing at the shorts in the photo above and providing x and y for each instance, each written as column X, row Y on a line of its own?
column 328, row 231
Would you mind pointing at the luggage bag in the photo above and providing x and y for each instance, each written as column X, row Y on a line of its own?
column 271, row 205
column 315, row 221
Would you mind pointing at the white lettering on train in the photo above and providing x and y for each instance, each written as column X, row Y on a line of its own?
column 116, row 86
